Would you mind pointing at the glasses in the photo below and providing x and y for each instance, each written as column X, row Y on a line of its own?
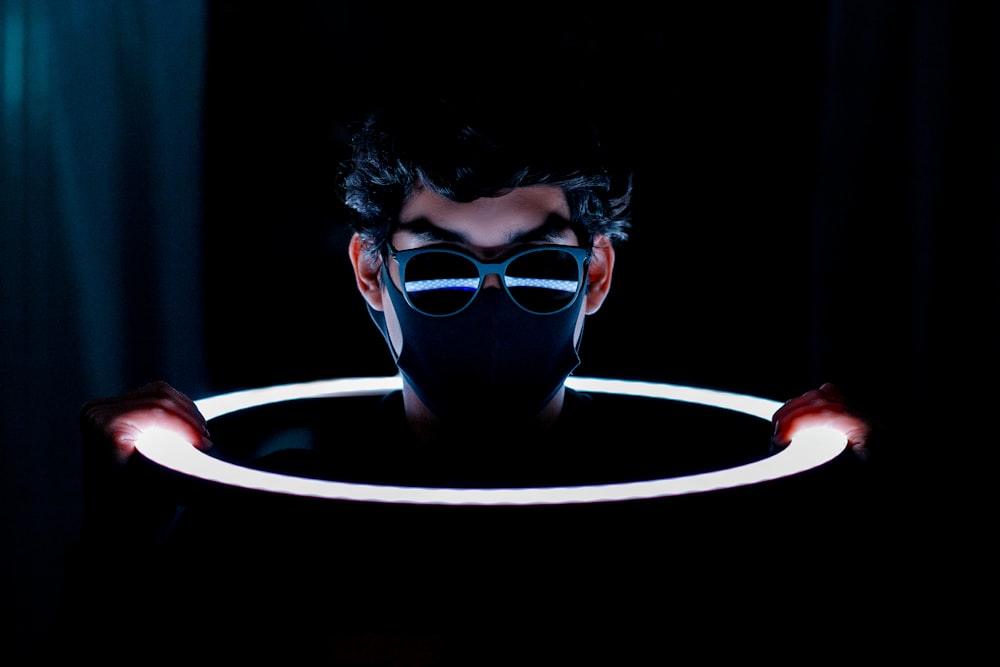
column 541, row 279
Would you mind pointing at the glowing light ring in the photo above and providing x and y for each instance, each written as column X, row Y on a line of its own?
column 807, row 450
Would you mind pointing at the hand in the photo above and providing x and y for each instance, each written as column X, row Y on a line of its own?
column 110, row 426
column 121, row 501
column 820, row 407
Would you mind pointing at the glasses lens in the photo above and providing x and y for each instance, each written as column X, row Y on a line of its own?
column 544, row 281
column 440, row 283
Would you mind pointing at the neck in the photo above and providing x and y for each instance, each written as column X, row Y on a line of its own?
column 428, row 428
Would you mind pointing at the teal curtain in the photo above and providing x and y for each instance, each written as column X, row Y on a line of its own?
column 99, row 247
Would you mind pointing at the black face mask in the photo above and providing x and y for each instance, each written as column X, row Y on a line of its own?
column 491, row 364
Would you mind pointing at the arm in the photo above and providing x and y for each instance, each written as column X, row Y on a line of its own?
column 110, row 584
column 120, row 502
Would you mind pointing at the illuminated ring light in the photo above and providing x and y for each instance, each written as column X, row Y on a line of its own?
column 808, row 449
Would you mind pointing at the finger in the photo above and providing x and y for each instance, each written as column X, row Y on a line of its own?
column 786, row 416
column 115, row 423
column 120, row 431
column 157, row 395
column 830, row 391
column 827, row 397
column 173, row 400
column 100, row 418
column 154, row 390
column 796, row 417
column 854, row 428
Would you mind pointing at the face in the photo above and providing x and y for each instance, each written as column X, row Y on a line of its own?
column 490, row 229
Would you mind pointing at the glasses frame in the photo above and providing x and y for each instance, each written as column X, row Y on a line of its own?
column 402, row 257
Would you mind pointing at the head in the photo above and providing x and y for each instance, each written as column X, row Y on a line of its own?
column 485, row 177
column 478, row 146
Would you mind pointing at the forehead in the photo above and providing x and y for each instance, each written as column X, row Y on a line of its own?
column 488, row 222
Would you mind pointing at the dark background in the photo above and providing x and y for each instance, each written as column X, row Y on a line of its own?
column 816, row 200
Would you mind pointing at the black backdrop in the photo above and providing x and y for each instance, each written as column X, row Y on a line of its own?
column 815, row 186
column 816, row 200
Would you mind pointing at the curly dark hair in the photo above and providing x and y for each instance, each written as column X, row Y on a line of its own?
column 471, row 146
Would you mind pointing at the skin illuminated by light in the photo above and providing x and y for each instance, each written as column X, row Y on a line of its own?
column 808, row 449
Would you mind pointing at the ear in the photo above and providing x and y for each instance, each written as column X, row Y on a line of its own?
column 366, row 271
column 602, row 264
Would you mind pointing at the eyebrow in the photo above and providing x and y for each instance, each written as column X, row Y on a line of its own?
column 428, row 232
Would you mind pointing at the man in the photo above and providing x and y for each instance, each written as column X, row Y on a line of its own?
column 485, row 190
column 484, row 235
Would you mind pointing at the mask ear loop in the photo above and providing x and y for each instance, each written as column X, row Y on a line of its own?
column 388, row 254
column 586, row 239
column 378, row 317
column 385, row 253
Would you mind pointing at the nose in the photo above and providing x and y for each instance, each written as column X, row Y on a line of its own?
column 491, row 280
